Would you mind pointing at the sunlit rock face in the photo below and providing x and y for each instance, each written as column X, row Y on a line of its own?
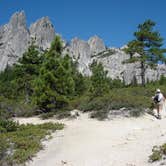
column 43, row 32
column 96, row 45
column 15, row 37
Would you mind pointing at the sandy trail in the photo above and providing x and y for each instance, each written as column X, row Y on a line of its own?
column 89, row 142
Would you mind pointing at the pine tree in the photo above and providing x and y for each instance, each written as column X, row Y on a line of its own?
column 7, row 88
column 79, row 79
column 26, row 70
column 99, row 80
column 148, row 44
column 55, row 85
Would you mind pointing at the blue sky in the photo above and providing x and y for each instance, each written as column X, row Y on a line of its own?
column 112, row 20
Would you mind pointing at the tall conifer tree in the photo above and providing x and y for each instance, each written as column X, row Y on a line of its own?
column 148, row 44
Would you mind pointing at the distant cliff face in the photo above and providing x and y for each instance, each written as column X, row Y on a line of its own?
column 82, row 51
column 113, row 61
column 15, row 38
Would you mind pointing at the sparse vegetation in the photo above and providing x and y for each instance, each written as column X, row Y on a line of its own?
column 158, row 152
column 19, row 143
column 104, row 54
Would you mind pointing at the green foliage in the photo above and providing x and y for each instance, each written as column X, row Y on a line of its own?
column 58, row 80
column 56, row 46
column 115, row 83
column 47, row 115
column 80, row 81
column 99, row 80
column 148, row 44
column 55, row 83
column 8, row 126
column 134, row 99
column 7, row 87
column 157, row 153
column 26, row 70
column 104, row 53
column 3, row 150
column 162, row 80
column 50, row 82
column 46, row 81
column 24, row 142
column 16, row 81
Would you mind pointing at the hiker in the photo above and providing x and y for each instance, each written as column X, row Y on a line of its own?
column 159, row 101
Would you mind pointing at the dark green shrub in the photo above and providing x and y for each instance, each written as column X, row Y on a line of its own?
column 8, row 125
column 25, row 110
column 99, row 80
column 3, row 150
column 47, row 115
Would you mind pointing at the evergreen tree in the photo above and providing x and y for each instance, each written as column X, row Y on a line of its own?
column 99, row 80
column 79, row 79
column 26, row 70
column 55, row 85
column 7, row 88
column 148, row 44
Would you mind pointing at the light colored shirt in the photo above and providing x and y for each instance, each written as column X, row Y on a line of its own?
column 160, row 96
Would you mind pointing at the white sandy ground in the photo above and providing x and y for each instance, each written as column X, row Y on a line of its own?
column 89, row 142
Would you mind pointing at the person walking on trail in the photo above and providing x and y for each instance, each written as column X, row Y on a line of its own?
column 159, row 101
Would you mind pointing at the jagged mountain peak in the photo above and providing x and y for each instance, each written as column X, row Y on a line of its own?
column 43, row 32
column 44, row 21
column 18, row 19
column 15, row 37
column 96, row 44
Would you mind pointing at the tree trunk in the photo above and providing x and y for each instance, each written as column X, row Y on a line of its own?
column 143, row 73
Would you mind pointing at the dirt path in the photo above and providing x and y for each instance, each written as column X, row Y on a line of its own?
column 88, row 142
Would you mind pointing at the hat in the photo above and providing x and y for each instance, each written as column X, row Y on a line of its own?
column 158, row 91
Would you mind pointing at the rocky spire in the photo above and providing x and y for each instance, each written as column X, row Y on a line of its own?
column 79, row 50
column 96, row 45
column 18, row 20
column 14, row 38
column 43, row 32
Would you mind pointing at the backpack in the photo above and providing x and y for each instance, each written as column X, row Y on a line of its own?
column 156, row 99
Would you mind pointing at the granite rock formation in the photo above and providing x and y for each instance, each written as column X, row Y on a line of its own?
column 15, row 38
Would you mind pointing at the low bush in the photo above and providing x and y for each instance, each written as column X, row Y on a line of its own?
column 8, row 126
column 136, row 99
column 47, row 115
column 158, row 152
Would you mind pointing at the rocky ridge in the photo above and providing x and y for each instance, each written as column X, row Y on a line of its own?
column 15, row 38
